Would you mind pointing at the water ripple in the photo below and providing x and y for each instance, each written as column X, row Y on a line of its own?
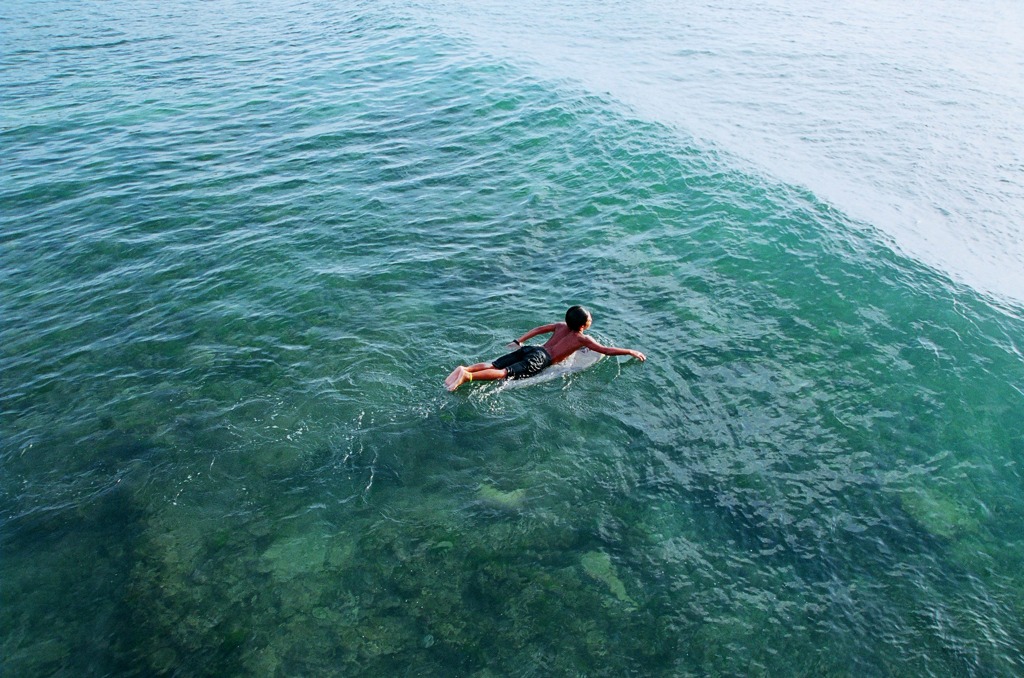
column 238, row 263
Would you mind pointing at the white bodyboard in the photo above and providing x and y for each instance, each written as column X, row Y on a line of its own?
column 577, row 362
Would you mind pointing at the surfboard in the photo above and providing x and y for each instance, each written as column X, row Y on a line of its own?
column 577, row 362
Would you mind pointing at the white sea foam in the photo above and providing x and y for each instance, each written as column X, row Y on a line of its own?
column 907, row 118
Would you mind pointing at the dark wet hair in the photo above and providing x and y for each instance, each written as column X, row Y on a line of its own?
column 576, row 317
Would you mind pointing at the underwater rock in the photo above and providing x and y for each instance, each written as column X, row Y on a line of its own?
column 265, row 663
column 940, row 515
column 293, row 556
column 598, row 566
column 163, row 660
column 492, row 496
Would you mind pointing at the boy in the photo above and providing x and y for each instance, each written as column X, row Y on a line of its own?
column 566, row 339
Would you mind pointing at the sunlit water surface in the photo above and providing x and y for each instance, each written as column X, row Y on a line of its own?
column 244, row 243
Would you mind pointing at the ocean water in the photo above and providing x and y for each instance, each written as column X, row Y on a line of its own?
column 243, row 243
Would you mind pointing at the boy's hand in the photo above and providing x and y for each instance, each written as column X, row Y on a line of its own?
column 638, row 355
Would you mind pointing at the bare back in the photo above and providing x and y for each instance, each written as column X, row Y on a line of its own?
column 564, row 342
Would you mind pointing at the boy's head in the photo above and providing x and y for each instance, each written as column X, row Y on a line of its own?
column 577, row 318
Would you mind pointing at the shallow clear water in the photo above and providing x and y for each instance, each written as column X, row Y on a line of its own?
column 244, row 243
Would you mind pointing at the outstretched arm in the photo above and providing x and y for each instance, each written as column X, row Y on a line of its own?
column 594, row 345
column 543, row 329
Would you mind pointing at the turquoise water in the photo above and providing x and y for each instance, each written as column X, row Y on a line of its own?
column 244, row 243
column 904, row 117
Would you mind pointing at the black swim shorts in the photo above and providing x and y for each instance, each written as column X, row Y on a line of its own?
column 526, row 362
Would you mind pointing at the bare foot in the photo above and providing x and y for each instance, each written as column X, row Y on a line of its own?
column 456, row 379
